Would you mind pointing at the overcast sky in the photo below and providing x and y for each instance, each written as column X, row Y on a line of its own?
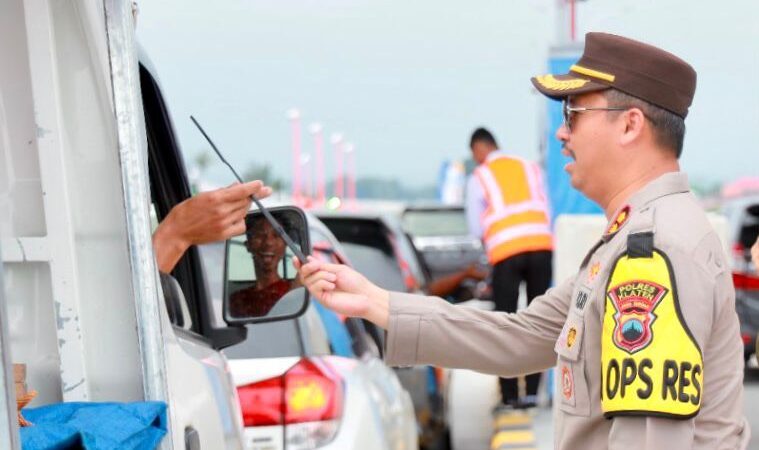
column 407, row 81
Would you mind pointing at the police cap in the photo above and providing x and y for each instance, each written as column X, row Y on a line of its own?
column 635, row 68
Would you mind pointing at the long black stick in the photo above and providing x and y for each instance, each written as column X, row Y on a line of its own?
column 277, row 227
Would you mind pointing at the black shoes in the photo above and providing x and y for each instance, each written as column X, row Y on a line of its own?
column 526, row 402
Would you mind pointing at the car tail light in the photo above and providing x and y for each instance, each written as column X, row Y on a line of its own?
column 307, row 400
column 261, row 402
column 745, row 281
column 747, row 338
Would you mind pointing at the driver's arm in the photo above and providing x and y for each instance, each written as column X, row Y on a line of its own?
column 207, row 217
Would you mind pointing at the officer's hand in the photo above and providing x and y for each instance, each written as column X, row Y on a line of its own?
column 343, row 290
column 755, row 254
column 207, row 217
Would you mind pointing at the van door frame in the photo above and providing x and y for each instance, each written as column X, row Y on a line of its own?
column 9, row 436
column 170, row 186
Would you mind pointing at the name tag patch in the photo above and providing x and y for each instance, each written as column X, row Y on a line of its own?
column 582, row 298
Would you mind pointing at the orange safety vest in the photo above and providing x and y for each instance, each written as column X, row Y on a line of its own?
column 516, row 219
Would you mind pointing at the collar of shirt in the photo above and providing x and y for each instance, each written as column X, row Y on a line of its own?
column 497, row 153
column 667, row 184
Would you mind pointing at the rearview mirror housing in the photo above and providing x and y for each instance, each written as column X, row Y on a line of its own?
column 260, row 281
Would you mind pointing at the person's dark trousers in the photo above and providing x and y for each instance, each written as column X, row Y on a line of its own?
column 534, row 268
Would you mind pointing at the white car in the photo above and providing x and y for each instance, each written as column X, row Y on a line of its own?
column 454, row 410
column 317, row 381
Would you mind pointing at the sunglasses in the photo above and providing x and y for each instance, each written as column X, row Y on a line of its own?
column 568, row 112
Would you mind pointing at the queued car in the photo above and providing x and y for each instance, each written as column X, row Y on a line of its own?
column 316, row 381
column 743, row 219
column 440, row 234
column 378, row 248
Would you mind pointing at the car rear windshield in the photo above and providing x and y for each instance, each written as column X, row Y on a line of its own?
column 369, row 248
column 379, row 267
column 435, row 222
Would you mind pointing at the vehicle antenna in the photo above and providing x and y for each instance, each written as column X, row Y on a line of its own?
column 264, row 211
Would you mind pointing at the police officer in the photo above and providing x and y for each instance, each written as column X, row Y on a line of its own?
column 645, row 336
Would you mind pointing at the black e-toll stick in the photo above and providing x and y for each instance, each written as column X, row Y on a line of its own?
column 277, row 227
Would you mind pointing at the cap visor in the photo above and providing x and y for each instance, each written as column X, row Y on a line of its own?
column 561, row 86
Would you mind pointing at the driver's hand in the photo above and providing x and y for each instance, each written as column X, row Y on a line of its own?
column 206, row 217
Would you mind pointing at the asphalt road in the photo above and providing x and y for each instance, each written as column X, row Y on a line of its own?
column 751, row 404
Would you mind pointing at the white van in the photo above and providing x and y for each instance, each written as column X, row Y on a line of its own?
column 86, row 142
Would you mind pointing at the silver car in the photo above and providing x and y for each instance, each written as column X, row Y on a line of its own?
column 318, row 382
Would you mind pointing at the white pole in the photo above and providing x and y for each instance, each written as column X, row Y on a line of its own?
column 294, row 116
column 350, row 163
column 316, row 131
column 337, row 146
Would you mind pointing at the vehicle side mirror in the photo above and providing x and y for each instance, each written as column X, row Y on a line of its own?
column 260, row 281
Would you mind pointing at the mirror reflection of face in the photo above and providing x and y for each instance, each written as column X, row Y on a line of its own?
column 266, row 247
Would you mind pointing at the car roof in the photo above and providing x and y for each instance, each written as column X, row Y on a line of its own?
column 387, row 218
column 434, row 206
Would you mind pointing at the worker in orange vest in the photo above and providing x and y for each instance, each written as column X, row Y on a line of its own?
column 507, row 209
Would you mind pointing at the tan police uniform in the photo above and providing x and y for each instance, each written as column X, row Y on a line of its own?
column 647, row 338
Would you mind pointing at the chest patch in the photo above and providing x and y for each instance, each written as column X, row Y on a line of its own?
column 651, row 365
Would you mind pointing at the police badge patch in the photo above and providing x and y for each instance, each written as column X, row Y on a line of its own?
column 635, row 301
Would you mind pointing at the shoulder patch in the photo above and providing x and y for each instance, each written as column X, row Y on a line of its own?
column 651, row 365
column 640, row 245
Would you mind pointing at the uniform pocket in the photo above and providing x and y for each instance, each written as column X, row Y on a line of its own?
column 572, row 385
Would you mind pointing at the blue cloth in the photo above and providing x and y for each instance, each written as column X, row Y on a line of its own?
column 94, row 426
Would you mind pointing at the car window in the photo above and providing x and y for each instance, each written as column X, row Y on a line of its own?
column 363, row 343
column 372, row 251
column 340, row 339
column 409, row 260
column 313, row 333
column 435, row 222
column 379, row 267
column 212, row 256
column 322, row 247
column 168, row 186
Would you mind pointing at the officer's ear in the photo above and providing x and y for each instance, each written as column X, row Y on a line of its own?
column 634, row 122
